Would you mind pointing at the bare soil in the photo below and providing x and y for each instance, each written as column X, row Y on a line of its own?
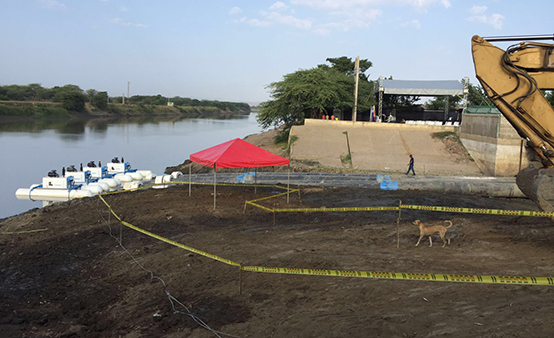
column 74, row 280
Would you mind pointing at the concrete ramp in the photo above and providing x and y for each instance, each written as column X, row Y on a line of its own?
column 381, row 147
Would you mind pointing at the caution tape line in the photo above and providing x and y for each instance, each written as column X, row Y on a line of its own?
column 412, row 207
column 337, row 209
column 259, row 206
column 276, row 195
column 476, row 279
column 481, row 211
column 180, row 245
column 110, row 208
column 169, row 241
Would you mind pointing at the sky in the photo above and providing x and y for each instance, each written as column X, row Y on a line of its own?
column 231, row 50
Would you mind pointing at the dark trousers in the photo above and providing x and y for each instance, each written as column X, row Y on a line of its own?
column 411, row 167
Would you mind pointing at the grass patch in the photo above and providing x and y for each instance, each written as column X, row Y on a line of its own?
column 346, row 159
column 441, row 135
column 16, row 111
column 282, row 137
column 113, row 109
column 293, row 139
column 51, row 112
column 41, row 111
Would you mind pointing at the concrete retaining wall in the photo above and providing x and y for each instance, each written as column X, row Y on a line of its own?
column 494, row 144
column 380, row 147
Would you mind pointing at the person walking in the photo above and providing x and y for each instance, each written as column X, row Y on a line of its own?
column 411, row 165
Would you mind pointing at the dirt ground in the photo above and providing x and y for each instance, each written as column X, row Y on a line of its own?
column 74, row 280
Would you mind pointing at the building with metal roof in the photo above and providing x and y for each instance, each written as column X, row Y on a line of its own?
column 421, row 88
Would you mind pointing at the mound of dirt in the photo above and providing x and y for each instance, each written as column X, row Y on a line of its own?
column 73, row 279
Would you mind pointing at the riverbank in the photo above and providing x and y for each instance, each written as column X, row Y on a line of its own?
column 20, row 110
column 64, row 274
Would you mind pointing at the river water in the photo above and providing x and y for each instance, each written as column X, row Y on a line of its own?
column 28, row 150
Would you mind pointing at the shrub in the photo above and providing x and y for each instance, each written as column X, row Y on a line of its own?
column 73, row 101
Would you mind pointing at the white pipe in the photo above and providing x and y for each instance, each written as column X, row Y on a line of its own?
column 41, row 194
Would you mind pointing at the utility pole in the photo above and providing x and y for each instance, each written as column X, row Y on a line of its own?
column 356, row 71
column 128, row 84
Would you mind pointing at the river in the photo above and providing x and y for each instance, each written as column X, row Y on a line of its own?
column 28, row 150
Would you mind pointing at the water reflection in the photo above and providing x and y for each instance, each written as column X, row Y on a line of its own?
column 72, row 126
column 29, row 149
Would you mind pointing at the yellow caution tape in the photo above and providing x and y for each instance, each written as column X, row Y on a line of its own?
column 169, row 241
column 476, row 279
column 259, row 206
column 337, row 209
column 404, row 206
column 276, row 195
column 481, row 211
column 22, row 232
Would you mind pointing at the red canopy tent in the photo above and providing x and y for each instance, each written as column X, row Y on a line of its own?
column 236, row 153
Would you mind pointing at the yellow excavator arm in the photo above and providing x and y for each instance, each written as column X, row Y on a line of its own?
column 513, row 80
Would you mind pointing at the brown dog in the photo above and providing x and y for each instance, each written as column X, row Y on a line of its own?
column 430, row 230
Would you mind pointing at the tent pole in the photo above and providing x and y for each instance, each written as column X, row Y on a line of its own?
column 255, row 180
column 190, row 178
column 215, row 179
column 288, row 185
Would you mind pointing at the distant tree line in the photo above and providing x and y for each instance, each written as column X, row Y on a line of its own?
column 74, row 98
column 70, row 96
column 159, row 100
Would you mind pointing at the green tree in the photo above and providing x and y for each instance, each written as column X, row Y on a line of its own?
column 100, row 100
column 60, row 92
column 307, row 93
column 399, row 101
column 91, row 93
column 316, row 91
column 3, row 94
column 477, row 96
column 439, row 102
column 34, row 89
column 73, row 101
column 345, row 65
column 17, row 93
column 45, row 94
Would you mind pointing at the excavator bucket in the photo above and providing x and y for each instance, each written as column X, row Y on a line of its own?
column 538, row 185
